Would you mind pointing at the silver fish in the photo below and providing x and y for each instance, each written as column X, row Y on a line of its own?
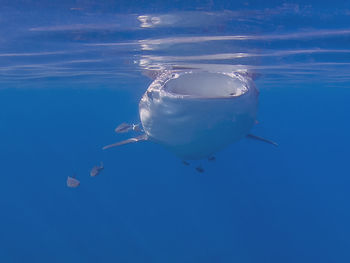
column 72, row 182
column 125, row 127
column 96, row 170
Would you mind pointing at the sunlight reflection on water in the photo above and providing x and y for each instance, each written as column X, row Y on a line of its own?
column 109, row 47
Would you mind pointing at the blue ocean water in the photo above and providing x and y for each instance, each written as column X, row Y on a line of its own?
column 71, row 71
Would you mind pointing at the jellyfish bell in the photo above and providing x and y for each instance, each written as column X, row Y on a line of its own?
column 196, row 113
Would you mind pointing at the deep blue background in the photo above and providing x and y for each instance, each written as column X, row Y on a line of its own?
column 255, row 203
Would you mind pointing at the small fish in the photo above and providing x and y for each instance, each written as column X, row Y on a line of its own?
column 125, row 127
column 200, row 169
column 96, row 170
column 211, row 158
column 185, row 163
column 72, row 182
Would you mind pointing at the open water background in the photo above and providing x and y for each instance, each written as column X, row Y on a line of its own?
column 71, row 71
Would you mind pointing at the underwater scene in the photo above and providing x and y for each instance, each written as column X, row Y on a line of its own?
column 174, row 131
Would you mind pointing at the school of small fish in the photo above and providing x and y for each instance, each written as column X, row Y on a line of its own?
column 73, row 182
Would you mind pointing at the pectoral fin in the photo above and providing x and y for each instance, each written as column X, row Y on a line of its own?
column 254, row 137
column 142, row 137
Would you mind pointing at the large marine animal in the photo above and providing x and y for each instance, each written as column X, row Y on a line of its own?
column 196, row 113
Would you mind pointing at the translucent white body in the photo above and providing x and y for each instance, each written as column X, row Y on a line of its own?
column 195, row 114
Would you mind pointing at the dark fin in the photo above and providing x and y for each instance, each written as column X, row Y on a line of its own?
column 185, row 162
column 211, row 158
column 251, row 136
column 142, row 137
column 200, row 169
